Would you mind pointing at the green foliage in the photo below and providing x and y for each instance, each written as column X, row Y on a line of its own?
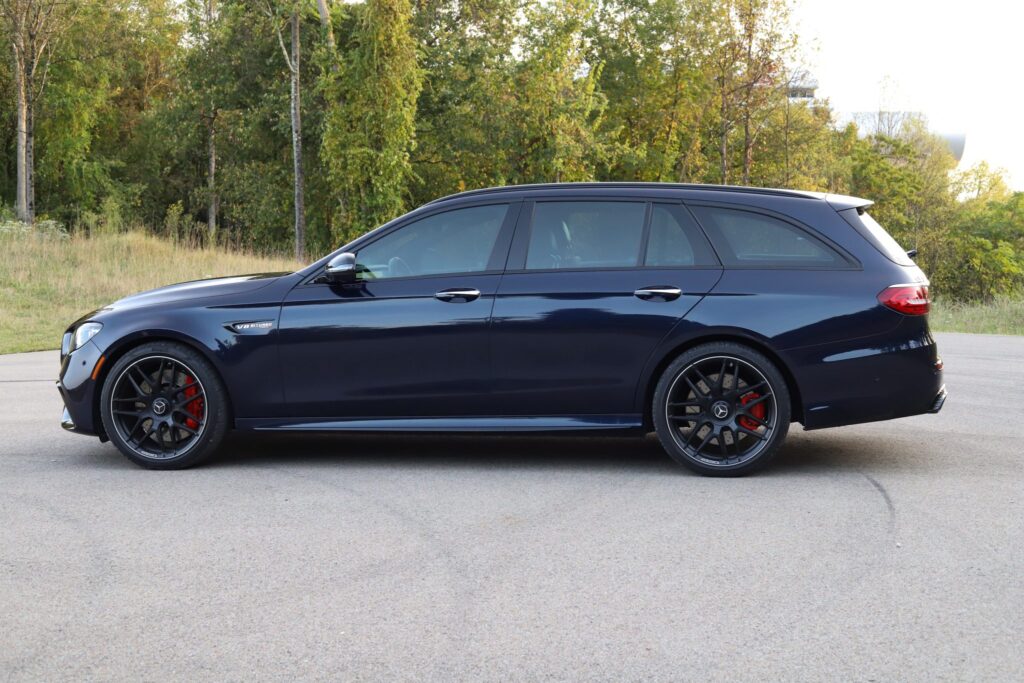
column 368, row 139
column 975, row 269
column 421, row 98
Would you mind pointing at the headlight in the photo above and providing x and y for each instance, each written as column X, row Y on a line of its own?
column 84, row 333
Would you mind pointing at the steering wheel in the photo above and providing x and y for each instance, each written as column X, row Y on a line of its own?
column 397, row 267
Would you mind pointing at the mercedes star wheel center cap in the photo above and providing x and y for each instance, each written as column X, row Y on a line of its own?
column 160, row 406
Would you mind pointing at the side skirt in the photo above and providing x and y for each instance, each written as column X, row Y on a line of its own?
column 560, row 423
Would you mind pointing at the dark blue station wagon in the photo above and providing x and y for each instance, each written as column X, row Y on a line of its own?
column 714, row 316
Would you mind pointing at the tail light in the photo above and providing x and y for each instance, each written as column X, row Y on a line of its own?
column 906, row 299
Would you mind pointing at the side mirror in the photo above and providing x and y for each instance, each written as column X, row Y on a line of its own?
column 341, row 269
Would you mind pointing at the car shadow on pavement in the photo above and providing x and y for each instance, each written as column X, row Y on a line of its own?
column 801, row 454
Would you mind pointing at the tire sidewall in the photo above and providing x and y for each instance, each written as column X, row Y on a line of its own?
column 764, row 365
column 217, row 416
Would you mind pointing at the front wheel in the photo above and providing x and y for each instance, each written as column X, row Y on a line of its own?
column 722, row 409
column 164, row 406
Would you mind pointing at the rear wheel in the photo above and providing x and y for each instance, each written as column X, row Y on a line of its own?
column 164, row 406
column 722, row 409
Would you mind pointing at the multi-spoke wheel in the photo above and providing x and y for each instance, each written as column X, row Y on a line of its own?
column 164, row 406
column 721, row 409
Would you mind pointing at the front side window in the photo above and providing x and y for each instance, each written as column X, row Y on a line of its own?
column 745, row 238
column 585, row 235
column 457, row 241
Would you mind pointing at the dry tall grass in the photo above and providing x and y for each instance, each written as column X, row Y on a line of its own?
column 47, row 281
column 1002, row 316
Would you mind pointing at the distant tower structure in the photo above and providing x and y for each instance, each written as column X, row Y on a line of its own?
column 891, row 123
column 802, row 87
column 956, row 143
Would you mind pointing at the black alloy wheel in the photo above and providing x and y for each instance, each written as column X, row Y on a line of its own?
column 163, row 406
column 722, row 409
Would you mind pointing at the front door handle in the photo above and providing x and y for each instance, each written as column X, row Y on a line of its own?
column 658, row 293
column 458, row 295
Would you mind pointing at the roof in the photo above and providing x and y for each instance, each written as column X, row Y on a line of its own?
column 799, row 194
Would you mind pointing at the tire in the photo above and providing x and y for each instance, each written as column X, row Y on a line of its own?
column 721, row 409
column 164, row 406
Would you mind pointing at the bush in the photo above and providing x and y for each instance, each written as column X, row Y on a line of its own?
column 971, row 268
column 44, row 228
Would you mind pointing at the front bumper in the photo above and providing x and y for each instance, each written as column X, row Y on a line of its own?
column 79, row 390
column 66, row 422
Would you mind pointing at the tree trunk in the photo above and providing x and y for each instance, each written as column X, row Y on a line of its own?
column 211, row 132
column 325, row 23
column 29, row 173
column 21, row 195
column 748, row 149
column 786, row 141
column 300, row 208
column 211, row 181
column 724, row 146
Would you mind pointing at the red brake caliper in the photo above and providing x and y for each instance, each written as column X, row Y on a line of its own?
column 757, row 411
column 194, row 408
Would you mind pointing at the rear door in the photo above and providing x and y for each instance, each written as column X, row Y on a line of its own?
column 591, row 287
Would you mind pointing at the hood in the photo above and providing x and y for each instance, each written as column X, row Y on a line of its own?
column 198, row 289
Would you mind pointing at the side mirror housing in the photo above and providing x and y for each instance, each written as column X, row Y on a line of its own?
column 341, row 269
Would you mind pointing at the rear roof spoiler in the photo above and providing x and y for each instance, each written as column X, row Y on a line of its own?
column 840, row 202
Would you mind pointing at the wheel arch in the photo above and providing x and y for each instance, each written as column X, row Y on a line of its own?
column 116, row 350
column 733, row 336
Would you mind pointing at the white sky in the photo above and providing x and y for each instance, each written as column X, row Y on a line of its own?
column 959, row 63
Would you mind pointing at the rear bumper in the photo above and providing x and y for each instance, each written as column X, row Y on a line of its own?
column 871, row 379
column 940, row 400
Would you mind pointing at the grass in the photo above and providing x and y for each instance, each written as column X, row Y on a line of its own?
column 1002, row 316
column 48, row 281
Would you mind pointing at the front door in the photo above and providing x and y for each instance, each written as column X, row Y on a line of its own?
column 409, row 339
column 592, row 287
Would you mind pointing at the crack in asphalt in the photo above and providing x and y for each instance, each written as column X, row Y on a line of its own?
column 885, row 496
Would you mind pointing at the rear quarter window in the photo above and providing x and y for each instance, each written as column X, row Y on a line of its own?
column 874, row 233
column 755, row 240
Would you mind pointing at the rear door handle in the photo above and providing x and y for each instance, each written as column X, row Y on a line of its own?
column 458, row 295
column 658, row 293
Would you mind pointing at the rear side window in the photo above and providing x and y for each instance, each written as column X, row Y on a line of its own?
column 869, row 228
column 585, row 235
column 755, row 240
column 675, row 240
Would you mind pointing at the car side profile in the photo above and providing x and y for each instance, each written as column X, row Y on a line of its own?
column 714, row 316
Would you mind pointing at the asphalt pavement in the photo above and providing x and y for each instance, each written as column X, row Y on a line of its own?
column 880, row 552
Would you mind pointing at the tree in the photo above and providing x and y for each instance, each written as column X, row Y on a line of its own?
column 323, row 9
column 468, row 100
column 748, row 49
column 764, row 87
column 368, row 138
column 210, row 116
column 294, row 63
column 556, row 129
column 33, row 28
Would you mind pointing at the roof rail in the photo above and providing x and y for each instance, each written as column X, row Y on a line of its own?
column 635, row 185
